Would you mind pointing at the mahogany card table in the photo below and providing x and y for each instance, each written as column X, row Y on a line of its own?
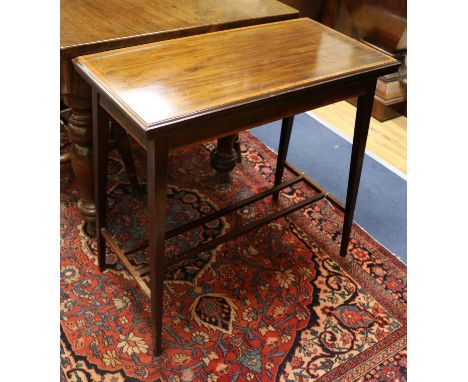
column 175, row 93
column 100, row 25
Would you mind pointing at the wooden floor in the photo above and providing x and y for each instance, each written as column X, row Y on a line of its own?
column 387, row 140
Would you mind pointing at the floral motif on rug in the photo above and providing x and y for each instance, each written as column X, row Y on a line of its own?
column 277, row 304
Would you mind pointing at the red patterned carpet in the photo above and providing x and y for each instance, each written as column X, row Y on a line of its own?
column 278, row 304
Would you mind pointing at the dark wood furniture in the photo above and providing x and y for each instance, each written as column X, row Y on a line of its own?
column 312, row 9
column 100, row 25
column 118, row 139
column 215, row 85
column 382, row 25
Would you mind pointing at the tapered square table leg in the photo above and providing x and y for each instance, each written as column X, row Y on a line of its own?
column 361, row 128
column 125, row 151
column 158, row 151
column 100, row 151
column 286, row 129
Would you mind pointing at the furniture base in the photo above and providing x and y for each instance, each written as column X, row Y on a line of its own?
column 389, row 99
column 225, row 157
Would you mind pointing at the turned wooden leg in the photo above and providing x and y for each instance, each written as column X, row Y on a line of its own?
column 65, row 157
column 81, row 155
column 237, row 148
column 158, row 152
column 361, row 128
column 76, row 94
column 123, row 146
column 100, row 148
column 224, row 158
column 286, row 128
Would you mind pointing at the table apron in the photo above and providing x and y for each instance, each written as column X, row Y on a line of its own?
column 239, row 117
column 250, row 115
column 123, row 120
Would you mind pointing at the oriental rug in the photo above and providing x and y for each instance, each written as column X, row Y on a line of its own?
column 278, row 304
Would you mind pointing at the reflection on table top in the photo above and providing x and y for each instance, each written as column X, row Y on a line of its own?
column 98, row 25
column 170, row 80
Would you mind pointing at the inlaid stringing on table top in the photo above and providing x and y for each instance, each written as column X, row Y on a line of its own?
column 160, row 83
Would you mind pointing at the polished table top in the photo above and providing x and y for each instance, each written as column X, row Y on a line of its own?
column 165, row 83
column 98, row 25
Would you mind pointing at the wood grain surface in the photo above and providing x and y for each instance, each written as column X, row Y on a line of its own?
column 92, row 26
column 163, row 82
